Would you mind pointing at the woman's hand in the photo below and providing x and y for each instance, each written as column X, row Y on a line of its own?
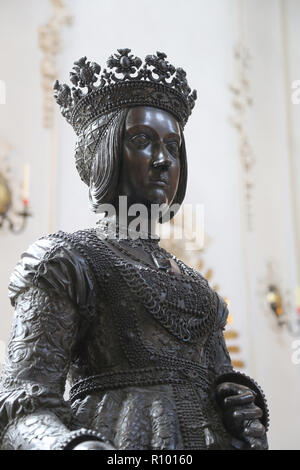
column 241, row 416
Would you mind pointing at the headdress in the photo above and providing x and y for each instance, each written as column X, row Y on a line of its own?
column 126, row 82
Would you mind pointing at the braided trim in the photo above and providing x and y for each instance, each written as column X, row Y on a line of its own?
column 147, row 376
column 76, row 437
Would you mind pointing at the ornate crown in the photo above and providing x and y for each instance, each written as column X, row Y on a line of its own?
column 125, row 82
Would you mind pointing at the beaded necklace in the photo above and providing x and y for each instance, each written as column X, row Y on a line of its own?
column 160, row 258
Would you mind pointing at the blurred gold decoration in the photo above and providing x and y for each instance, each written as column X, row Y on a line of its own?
column 238, row 364
column 241, row 101
column 231, row 334
column 14, row 220
column 208, row 274
column 274, row 300
column 5, row 196
column 50, row 44
column 277, row 302
column 194, row 258
column 200, row 265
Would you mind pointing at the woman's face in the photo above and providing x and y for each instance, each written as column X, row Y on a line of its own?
column 150, row 165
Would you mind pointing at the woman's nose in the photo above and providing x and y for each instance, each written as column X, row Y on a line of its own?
column 161, row 158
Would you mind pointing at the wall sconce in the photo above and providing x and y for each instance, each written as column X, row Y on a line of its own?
column 279, row 303
column 14, row 220
column 274, row 301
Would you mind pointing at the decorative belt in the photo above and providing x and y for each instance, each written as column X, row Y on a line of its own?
column 146, row 376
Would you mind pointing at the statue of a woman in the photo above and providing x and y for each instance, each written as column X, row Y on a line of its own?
column 138, row 334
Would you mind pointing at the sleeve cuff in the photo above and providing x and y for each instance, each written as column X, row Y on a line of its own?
column 76, row 437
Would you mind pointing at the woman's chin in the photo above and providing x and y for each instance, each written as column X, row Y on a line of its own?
column 158, row 196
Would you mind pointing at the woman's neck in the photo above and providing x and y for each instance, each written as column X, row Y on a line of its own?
column 130, row 227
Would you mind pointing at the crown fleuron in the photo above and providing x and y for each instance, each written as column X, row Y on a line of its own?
column 125, row 82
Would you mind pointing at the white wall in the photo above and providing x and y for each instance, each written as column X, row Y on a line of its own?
column 199, row 36
column 273, row 238
column 21, row 126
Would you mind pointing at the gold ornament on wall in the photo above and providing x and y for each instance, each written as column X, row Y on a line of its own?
column 277, row 302
column 50, row 44
column 241, row 102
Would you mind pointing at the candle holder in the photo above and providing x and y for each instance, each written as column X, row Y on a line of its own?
column 14, row 220
column 7, row 215
column 277, row 302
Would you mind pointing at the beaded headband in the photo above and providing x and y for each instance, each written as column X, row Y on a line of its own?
column 125, row 82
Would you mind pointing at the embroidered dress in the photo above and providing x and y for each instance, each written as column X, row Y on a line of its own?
column 141, row 347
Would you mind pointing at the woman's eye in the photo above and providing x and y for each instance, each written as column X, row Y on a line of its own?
column 173, row 148
column 141, row 140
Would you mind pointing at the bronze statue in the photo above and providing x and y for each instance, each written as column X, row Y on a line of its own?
column 138, row 334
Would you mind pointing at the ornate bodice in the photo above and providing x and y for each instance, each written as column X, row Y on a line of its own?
column 144, row 316
column 130, row 337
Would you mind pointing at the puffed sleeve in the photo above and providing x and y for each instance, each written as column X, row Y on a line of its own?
column 52, row 263
column 50, row 288
column 220, row 363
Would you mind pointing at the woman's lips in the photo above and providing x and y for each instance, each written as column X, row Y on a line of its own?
column 159, row 182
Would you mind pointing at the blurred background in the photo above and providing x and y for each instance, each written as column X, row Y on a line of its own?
column 243, row 147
